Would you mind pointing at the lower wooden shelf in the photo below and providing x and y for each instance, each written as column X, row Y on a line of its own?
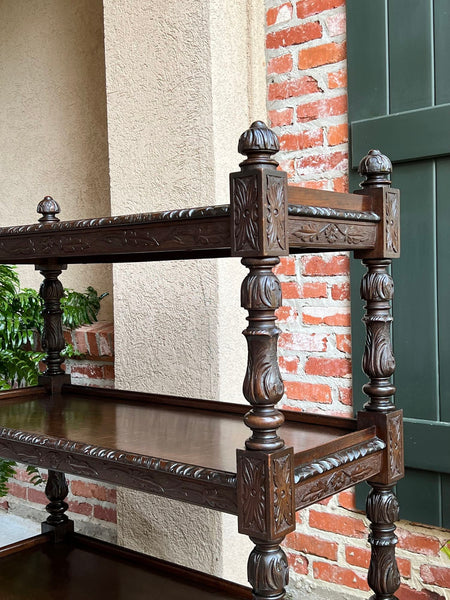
column 82, row 567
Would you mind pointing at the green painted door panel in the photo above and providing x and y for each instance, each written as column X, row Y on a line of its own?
column 443, row 278
column 424, row 487
column 399, row 102
column 410, row 54
column 442, row 50
column 414, row 326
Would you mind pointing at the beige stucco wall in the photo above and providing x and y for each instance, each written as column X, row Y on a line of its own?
column 179, row 93
column 53, row 135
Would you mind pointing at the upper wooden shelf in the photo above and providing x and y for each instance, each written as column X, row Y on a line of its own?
column 317, row 220
column 178, row 447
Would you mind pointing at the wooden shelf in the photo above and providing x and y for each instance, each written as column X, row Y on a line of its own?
column 181, row 448
column 38, row 569
column 317, row 220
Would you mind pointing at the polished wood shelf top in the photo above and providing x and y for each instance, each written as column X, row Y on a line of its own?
column 180, row 448
column 38, row 569
column 176, row 430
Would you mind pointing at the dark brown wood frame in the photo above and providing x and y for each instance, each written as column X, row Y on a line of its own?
column 270, row 480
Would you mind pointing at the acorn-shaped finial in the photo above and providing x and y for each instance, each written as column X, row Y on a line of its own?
column 376, row 168
column 48, row 208
column 258, row 143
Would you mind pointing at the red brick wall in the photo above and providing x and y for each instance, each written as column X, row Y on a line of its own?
column 307, row 102
column 91, row 505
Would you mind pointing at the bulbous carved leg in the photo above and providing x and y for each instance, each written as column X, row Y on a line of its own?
column 52, row 336
column 263, row 386
column 268, row 571
column 56, row 490
column 382, row 511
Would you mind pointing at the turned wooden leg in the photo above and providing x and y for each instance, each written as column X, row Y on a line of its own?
column 268, row 570
column 382, row 511
column 56, row 490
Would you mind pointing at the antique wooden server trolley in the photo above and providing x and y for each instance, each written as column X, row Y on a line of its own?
column 275, row 472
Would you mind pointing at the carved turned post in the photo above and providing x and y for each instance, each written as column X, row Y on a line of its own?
column 54, row 377
column 377, row 290
column 266, row 509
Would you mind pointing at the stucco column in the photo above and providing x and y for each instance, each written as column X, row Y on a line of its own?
column 184, row 79
column 53, row 133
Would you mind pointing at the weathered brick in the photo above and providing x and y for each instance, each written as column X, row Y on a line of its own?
column 293, row 88
column 312, row 342
column 340, row 575
column 306, row 8
column 347, row 526
column 347, row 499
column 337, row 79
column 35, row 495
column 325, row 265
column 16, row 490
column 297, row 562
column 340, row 184
column 321, row 184
column 328, row 367
column 345, row 396
column 279, row 118
column 87, row 489
column 105, row 514
column 108, row 372
column 407, row 593
column 337, row 134
column 285, row 314
column 318, row 315
column 336, row 24
column 328, row 107
column 290, row 289
column 81, row 508
column 314, row 289
column 289, row 364
column 81, row 341
column 286, row 266
column 313, row 545
column 279, row 14
column 302, row 140
column 311, row 392
column 420, row 544
column 294, row 35
column 325, row 54
column 344, row 343
column 320, row 163
column 280, row 64
column 360, row 557
column 436, row 575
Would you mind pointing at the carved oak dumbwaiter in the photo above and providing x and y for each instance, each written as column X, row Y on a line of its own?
column 288, row 461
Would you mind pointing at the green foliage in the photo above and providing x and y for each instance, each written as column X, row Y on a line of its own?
column 446, row 549
column 21, row 322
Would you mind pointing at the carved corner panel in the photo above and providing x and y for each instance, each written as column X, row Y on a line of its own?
column 386, row 203
column 259, row 213
column 265, row 492
column 390, row 430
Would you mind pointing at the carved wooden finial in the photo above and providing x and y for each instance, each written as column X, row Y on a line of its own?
column 258, row 143
column 376, row 168
column 48, row 208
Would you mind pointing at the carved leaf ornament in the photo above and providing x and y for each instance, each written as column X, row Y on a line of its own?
column 246, row 213
column 275, row 213
column 254, row 505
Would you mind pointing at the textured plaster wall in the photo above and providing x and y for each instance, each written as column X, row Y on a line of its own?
column 178, row 96
column 53, row 134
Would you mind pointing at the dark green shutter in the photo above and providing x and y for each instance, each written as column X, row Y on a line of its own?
column 399, row 102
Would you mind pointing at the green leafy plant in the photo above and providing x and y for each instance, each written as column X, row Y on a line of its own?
column 446, row 549
column 21, row 324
